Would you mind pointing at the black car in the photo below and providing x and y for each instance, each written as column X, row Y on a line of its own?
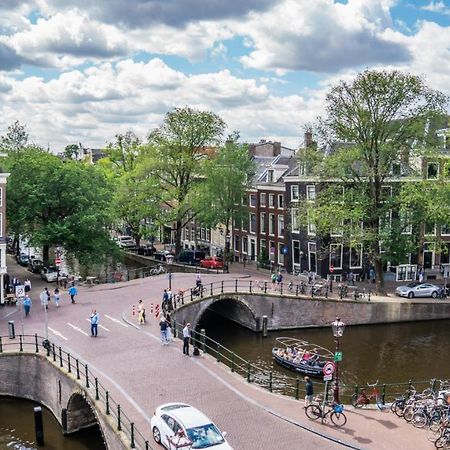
column 35, row 265
column 191, row 257
column 146, row 250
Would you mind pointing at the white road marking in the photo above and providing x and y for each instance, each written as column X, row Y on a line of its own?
column 116, row 320
column 101, row 326
column 77, row 328
column 57, row 333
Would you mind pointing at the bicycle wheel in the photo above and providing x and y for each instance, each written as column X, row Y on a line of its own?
column 339, row 419
column 313, row 412
column 443, row 441
column 379, row 402
column 408, row 413
column 419, row 419
column 355, row 401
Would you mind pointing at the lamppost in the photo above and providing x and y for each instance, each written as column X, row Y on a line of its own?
column 338, row 331
column 227, row 250
column 169, row 259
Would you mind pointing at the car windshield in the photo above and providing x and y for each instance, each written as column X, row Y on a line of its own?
column 205, row 436
column 411, row 285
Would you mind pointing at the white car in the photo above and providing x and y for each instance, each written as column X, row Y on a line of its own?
column 416, row 289
column 126, row 242
column 178, row 421
column 50, row 274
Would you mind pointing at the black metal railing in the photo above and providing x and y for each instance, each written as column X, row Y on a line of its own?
column 84, row 377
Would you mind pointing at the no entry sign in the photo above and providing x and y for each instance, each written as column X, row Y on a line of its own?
column 328, row 368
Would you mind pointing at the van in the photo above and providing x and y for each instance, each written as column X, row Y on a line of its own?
column 191, row 257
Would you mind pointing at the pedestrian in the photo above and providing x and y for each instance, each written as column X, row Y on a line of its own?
column 186, row 338
column 310, row 277
column 163, row 330
column 141, row 313
column 273, row 278
column 56, row 296
column 73, row 292
column 169, row 334
column 165, row 300
column 27, row 284
column 351, row 278
column 94, row 323
column 198, row 279
column 421, row 275
column 372, row 275
column 279, row 279
column 44, row 296
column 309, row 391
column 27, row 304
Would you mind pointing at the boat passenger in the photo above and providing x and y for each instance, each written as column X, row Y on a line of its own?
column 307, row 356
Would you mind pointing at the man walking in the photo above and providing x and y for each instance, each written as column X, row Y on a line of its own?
column 309, row 392
column 141, row 313
column 56, row 296
column 94, row 323
column 73, row 292
column 186, row 338
column 44, row 296
column 27, row 304
column 163, row 330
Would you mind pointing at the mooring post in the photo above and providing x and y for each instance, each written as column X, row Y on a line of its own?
column 264, row 326
column 38, row 426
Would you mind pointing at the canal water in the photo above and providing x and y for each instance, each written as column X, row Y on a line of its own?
column 17, row 430
column 390, row 353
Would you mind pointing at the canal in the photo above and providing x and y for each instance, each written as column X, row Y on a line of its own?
column 17, row 429
column 389, row 353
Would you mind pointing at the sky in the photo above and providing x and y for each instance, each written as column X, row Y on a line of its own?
column 82, row 71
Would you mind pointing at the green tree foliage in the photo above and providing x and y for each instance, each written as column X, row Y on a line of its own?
column 53, row 202
column 72, row 151
column 379, row 119
column 15, row 140
column 176, row 154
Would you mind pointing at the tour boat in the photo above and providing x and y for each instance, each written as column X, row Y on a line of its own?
column 312, row 362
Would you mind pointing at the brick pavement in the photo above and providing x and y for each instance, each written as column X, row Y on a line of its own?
column 141, row 374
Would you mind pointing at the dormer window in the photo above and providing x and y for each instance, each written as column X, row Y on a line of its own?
column 270, row 176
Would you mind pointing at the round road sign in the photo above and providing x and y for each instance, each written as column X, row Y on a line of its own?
column 331, row 269
column 328, row 368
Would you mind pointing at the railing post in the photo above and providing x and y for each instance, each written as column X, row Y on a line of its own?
column 60, row 358
column 232, row 362
column 383, row 395
column 356, row 391
column 218, row 352
column 48, row 348
column 281, row 288
column 78, row 369
column 107, row 402
column 202, row 339
column 296, row 290
column 297, row 388
column 248, row 371
column 132, row 435
column 96, row 389
column 433, row 385
column 265, row 287
column 54, row 352
column 211, row 289
column 147, row 445
column 119, row 424
column 20, row 343
column 221, row 287
column 191, row 295
column 235, row 285
column 270, row 381
column 409, row 388
column 201, row 291
column 36, row 343
column 69, row 368
column 251, row 281
column 87, row 375
column 1, row 345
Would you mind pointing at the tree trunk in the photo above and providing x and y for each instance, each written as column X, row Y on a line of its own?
column 178, row 238
column 45, row 254
column 379, row 276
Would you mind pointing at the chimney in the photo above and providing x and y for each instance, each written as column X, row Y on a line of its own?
column 308, row 139
column 251, row 149
column 276, row 148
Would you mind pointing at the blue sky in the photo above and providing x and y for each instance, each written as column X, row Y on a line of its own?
column 83, row 71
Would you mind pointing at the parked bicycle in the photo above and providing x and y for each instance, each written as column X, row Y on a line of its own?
column 362, row 398
column 323, row 410
column 158, row 270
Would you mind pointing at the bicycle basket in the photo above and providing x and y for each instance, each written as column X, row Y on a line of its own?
column 338, row 408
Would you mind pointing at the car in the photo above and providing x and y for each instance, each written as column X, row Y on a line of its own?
column 212, row 262
column 50, row 274
column 412, row 290
column 126, row 242
column 191, row 257
column 146, row 250
column 179, row 420
column 162, row 255
column 22, row 259
column 35, row 265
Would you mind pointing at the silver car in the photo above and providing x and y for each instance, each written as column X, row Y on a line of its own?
column 412, row 290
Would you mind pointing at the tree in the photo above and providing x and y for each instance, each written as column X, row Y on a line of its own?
column 72, row 151
column 227, row 178
column 378, row 120
column 53, row 202
column 15, row 140
column 176, row 153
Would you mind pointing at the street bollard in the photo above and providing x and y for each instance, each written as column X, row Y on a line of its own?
column 264, row 326
column 38, row 426
column 11, row 329
column 202, row 339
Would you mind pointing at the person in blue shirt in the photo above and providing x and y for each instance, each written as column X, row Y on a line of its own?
column 27, row 304
column 94, row 323
column 73, row 292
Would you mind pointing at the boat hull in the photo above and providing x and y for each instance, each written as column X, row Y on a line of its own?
column 314, row 370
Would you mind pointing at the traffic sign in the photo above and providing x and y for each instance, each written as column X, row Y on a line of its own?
column 58, row 261
column 328, row 368
column 327, row 377
column 338, row 356
column 20, row 291
column 331, row 269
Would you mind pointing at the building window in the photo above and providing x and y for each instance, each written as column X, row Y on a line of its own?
column 280, row 254
column 270, row 176
column 245, row 200
column 311, row 228
column 252, row 223
column 386, row 193
column 280, row 201
column 271, row 251
column 430, row 229
column 296, row 254
column 356, row 256
column 396, row 169
column 386, row 221
column 262, row 224
column 262, row 247
column 312, row 257
column 1, row 196
column 311, row 192
column 272, row 224
column 294, row 220
column 294, row 193
column 244, row 244
column 253, row 200
column 337, row 230
column 302, row 169
column 236, row 243
column 336, row 255
column 192, row 234
column 244, row 226
column 432, row 170
column 445, row 230
column 280, row 225
column 271, row 201
column 1, row 224
column 405, row 222
column 262, row 200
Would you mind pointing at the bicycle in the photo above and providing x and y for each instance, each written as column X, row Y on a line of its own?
column 158, row 270
column 317, row 411
column 362, row 399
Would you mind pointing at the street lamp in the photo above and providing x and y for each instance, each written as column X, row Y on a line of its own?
column 338, row 331
column 169, row 259
column 227, row 249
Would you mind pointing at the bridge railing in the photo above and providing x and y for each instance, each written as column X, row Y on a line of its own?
column 84, row 376
column 266, row 287
column 278, row 382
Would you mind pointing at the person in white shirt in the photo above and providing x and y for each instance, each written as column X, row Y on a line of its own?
column 186, row 338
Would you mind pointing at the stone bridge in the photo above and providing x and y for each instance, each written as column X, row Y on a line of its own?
column 36, row 377
column 291, row 311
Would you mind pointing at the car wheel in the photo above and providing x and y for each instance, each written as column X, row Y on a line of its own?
column 156, row 435
column 410, row 294
column 434, row 294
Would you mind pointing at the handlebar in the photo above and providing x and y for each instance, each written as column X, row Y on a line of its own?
column 372, row 385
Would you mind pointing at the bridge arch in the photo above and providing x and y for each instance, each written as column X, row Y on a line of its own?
column 80, row 414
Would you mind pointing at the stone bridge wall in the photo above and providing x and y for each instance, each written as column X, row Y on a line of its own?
column 32, row 376
column 294, row 312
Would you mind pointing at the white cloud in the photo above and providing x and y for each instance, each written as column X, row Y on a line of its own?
column 437, row 7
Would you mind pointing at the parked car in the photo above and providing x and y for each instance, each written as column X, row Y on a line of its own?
column 35, row 265
column 22, row 259
column 50, row 274
column 162, row 255
column 126, row 242
column 212, row 262
column 180, row 419
column 191, row 257
column 412, row 290
column 146, row 250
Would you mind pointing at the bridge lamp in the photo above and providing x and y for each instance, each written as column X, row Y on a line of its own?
column 338, row 328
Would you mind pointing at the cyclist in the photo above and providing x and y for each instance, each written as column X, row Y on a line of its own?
column 309, row 391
